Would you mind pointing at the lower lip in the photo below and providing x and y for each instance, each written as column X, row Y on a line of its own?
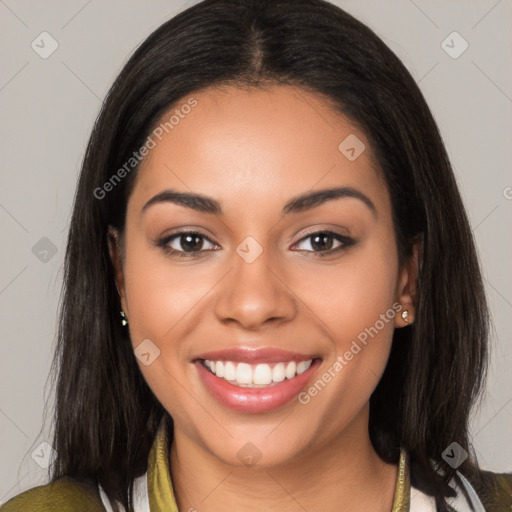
column 255, row 400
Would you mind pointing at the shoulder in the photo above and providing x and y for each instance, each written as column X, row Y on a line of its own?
column 494, row 490
column 63, row 495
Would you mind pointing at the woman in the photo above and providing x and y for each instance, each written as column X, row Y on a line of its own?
column 272, row 297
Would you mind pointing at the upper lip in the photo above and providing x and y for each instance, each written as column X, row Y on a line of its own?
column 254, row 356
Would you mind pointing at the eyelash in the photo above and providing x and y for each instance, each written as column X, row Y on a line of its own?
column 345, row 241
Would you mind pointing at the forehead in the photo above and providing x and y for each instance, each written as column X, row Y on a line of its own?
column 253, row 144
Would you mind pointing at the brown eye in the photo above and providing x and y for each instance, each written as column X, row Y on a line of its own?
column 185, row 242
column 322, row 242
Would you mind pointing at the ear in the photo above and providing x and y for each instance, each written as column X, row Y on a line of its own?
column 408, row 285
column 115, row 250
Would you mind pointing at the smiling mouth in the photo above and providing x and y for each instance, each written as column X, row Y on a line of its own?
column 262, row 375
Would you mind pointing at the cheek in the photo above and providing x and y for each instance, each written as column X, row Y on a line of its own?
column 354, row 302
column 350, row 296
column 163, row 300
column 160, row 294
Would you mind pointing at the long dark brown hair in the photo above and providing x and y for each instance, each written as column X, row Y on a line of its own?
column 105, row 414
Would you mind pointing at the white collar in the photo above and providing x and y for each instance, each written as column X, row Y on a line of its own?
column 420, row 502
column 140, row 496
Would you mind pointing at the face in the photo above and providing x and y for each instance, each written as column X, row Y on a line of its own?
column 263, row 316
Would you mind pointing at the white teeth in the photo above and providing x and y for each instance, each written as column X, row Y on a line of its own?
column 258, row 375
column 291, row 369
column 243, row 373
column 278, row 372
column 229, row 371
column 262, row 374
column 303, row 366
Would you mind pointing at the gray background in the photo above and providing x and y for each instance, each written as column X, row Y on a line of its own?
column 48, row 107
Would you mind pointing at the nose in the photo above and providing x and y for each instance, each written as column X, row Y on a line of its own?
column 255, row 294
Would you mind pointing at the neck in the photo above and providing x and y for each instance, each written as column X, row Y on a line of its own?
column 345, row 471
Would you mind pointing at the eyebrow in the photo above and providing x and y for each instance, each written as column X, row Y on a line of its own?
column 297, row 204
